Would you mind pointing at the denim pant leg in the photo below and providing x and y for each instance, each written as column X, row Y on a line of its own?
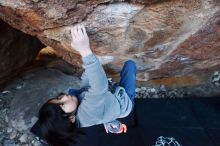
column 128, row 78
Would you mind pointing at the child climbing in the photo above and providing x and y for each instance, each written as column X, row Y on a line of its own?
column 96, row 102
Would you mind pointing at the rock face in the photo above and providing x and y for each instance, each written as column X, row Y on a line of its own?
column 32, row 90
column 164, row 38
column 17, row 50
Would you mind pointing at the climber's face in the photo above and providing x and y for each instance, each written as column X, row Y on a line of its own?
column 67, row 103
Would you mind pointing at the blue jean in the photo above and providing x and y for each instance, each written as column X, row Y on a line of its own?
column 128, row 78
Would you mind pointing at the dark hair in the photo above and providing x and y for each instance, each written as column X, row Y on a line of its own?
column 56, row 127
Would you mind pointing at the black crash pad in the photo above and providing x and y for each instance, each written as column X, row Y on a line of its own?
column 188, row 122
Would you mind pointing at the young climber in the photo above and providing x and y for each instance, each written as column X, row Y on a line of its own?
column 96, row 102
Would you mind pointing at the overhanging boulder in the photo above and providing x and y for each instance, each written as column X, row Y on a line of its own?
column 164, row 38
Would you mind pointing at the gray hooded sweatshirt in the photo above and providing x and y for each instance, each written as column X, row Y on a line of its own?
column 98, row 104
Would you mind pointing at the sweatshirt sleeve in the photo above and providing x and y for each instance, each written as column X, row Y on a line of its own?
column 84, row 81
column 95, row 73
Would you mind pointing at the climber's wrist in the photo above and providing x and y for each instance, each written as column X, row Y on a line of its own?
column 85, row 53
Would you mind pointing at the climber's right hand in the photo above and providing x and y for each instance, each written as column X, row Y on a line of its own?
column 80, row 40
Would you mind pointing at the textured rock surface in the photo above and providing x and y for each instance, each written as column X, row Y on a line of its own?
column 164, row 38
column 33, row 88
column 21, row 99
column 17, row 49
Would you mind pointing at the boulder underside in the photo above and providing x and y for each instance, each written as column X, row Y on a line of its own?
column 17, row 50
column 165, row 38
